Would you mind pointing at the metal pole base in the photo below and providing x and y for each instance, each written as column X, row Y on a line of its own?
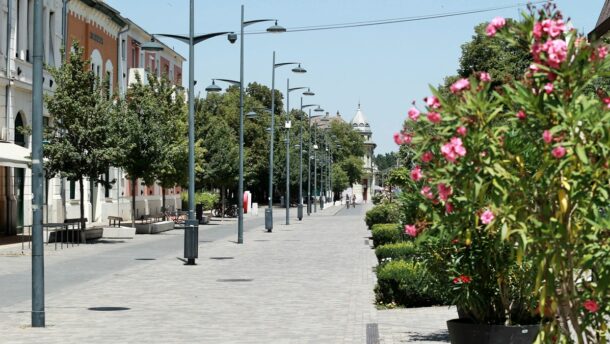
column 268, row 219
column 300, row 212
column 191, row 241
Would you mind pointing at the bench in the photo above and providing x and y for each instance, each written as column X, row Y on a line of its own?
column 112, row 221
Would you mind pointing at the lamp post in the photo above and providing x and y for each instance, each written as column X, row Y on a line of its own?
column 38, row 312
column 300, row 206
column 288, row 125
column 191, row 230
column 240, row 190
column 269, row 210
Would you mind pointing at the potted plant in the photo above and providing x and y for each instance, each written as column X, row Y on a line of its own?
column 513, row 184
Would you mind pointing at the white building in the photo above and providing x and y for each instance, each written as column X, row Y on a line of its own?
column 365, row 189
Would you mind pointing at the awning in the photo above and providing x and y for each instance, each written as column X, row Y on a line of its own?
column 12, row 155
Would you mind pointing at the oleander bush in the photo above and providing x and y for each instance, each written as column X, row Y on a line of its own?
column 403, row 250
column 385, row 212
column 406, row 283
column 386, row 233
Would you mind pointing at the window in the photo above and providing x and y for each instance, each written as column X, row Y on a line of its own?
column 72, row 189
column 29, row 30
column 3, row 30
column 124, row 50
column 19, row 137
column 107, row 186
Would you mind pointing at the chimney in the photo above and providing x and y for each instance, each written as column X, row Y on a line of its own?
column 338, row 114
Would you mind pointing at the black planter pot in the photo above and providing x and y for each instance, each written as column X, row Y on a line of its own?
column 462, row 331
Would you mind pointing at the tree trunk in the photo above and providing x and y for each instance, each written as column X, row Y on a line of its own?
column 82, row 203
column 163, row 202
column 133, row 202
column 222, row 202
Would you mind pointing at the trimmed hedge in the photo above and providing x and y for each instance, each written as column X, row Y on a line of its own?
column 407, row 284
column 386, row 233
column 382, row 213
column 400, row 250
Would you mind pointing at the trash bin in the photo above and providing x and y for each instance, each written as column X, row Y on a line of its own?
column 199, row 212
column 282, row 202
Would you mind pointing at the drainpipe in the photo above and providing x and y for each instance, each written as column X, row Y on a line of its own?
column 64, row 37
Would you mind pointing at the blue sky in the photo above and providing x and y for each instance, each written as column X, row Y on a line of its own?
column 384, row 67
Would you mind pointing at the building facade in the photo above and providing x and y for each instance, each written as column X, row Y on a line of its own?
column 364, row 190
column 16, row 42
column 111, row 43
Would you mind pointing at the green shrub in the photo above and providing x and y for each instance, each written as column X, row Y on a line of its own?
column 386, row 233
column 208, row 199
column 407, row 284
column 401, row 250
column 382, row 213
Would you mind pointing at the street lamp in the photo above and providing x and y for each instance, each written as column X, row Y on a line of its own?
column 269, row 210
column 300, row 206
column 310, row 158
column 288, row 125
column 191, row 230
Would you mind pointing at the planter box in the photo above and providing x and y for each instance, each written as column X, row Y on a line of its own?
column 119, row 233
column 153, row 228
column 462, row 331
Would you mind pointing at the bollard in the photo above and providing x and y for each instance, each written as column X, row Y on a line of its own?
column 268, row 219
column 191, row 241
column 300, row 212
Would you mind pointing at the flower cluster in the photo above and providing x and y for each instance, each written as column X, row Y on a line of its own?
column 411, row 230
column 453, row 149
column 458, row 86
column 402, row 138
column 462, row 279
column 496, row 24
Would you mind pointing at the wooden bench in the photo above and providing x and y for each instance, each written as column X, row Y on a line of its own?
column 112, row 221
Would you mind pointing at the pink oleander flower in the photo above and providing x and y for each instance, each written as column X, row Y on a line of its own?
column 556, row 52
column 453, row 149
column 487, row 217
column 534, row 67
column 434, row 117
column 490, row 30
column 484, row 77
column 402, row 138
column 553, row 27
column 607, row 102
column 448, row 207
column 427, row 157
column 558, row 152
column 549, row 87
column 444, row 191
column 537, row 31
column 416, row 173
column 498, row 22
column 432, row 102
column 591, row 306
column 427, row 192
column 521, row 115
column 411, row 230
column 462, row 279
column 547, row 136
column 551, row 76
column 602, row 52
column 495, row 24
column 460, row 85
column 462, row 131
column 413, row 113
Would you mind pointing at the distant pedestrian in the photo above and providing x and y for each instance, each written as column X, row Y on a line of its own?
column 353, row 201
column 347, row 200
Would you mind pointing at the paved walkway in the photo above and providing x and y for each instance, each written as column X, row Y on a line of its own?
column 309, row 282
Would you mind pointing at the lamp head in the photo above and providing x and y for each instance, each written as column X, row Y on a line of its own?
column 318, row 109
column 213, row 87
column 276, row 28
column 308, row 93
column 153, row 45
column 299, row 69
column 251, row 115
column 232, row 37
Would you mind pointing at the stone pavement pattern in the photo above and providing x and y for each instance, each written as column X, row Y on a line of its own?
column 310, row 282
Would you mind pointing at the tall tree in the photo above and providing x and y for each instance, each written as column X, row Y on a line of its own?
column 81, row 142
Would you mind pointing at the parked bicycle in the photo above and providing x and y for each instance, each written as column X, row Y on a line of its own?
column 229, row 211
column 179, row 217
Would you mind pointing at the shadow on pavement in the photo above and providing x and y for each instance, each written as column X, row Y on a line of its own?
column 441, row 336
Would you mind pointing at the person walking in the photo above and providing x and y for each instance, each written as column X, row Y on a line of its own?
column 347, row 200
column 354, row 201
